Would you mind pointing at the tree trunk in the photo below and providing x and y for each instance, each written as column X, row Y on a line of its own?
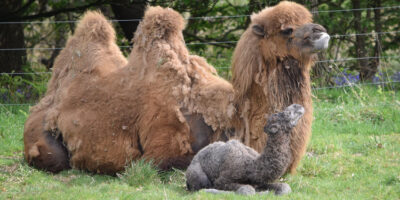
column 254, row 5
column 123, row 10
column 362, row 64
column 369, row 72
column 11, row 36
column 60, row 40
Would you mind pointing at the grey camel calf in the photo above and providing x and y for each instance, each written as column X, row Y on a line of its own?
column 231, row 166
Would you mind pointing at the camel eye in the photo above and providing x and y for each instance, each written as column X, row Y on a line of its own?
column 287, row 31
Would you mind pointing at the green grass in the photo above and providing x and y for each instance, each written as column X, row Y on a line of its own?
column 354, row 153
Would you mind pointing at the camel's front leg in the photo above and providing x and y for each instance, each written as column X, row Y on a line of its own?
column 44, row 150
column 278, row 188
column 223, row 183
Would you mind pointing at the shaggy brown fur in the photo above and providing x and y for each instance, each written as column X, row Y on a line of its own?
column 110, row 114
column 271, row 71
column 90, row 54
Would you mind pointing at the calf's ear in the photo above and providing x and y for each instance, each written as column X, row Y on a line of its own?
column 258, row 30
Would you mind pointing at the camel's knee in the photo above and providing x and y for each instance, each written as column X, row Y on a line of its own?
column 196, row 179
column 48, row 154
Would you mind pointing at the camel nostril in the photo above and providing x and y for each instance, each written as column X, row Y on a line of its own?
column 318, row 29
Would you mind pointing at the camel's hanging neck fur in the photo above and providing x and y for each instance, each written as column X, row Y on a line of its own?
column 289, row 82
column 246, row 61
column 286, row 77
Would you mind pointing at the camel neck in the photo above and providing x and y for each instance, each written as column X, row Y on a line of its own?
column 274, row 160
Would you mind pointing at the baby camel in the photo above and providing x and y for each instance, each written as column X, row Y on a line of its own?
column 235, row 167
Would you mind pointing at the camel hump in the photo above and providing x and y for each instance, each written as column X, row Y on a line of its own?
column 94, row 27
column 160, row 22
column 91, row 48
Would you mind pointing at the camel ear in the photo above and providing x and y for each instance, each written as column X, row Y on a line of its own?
column 258, row 30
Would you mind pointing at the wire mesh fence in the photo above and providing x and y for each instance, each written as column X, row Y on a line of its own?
column 205, row 43
column 204, row 17
column 227, row 68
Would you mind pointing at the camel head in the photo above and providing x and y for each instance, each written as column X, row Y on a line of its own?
column 309, row 38
column 284, row 121
column 286, row 30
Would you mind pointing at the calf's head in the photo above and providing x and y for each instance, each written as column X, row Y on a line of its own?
column 285, row 120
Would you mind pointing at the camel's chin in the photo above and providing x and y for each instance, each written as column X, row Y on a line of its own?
column 296, row 111
column 321, row 43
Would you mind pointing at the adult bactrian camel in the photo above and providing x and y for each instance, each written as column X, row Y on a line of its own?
column 165, row 104
column 270, row 68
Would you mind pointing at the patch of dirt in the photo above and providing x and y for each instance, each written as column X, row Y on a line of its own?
column 65, row 179
column 14, row 157
column 9, row 168
column 311, row 154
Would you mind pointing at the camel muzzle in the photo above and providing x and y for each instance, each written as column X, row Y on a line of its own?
column 295, row 111
column 322, row 42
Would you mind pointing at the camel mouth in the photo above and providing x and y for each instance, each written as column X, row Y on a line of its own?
column 294, row 113
column 321, row 43
column 311, row 38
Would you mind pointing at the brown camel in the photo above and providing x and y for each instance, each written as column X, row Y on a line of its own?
column 271, row 66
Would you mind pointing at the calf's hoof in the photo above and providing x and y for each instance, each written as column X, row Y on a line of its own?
column 283, row 189
column 246, row 190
